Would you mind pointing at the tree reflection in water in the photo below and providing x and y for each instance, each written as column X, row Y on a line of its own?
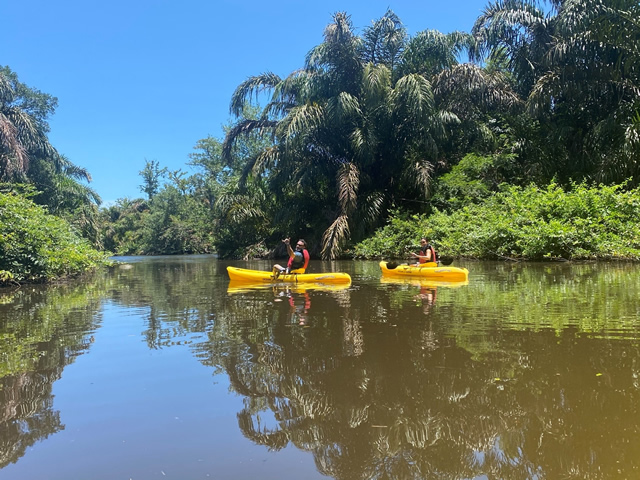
column 378, row 391
column 48, row 330
column 531, row 373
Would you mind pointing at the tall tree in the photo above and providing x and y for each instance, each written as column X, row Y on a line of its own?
column 577, row 66
column 349, row 138
column 27, row 156
column 151, row 175
column 23, row 125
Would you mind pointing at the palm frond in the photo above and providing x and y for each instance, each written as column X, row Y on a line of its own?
column 317, row 58
column 370, row 209
column 343, row 107
column 14, row 159
column 252, row 88
column 66, row 194
column 420, row 170
column 244, row 128
column 467, row 86
column 63, row 165
column 303, row 119
column 237, row 208
column 266, row 160
column 413, row 95
column 376, row 81
column 7, row 93
column 431, row 51
column 339, row 32
column 384, row 40
column 348, row 183
column 334, row 237
column 361, row 142
column 509, row 24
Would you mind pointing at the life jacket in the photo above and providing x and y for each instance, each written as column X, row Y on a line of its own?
column 296, row 262
column 423, row 251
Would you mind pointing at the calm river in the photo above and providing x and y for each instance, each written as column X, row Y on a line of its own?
column 159, row 369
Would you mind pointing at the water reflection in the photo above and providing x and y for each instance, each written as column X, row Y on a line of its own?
column 42, row 332
column 426, row 290
column 526, row 371
column 492, row 384
column 296, row 297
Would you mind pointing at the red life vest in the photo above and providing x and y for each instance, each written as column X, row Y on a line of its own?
column 423, row 251
column 305, row 255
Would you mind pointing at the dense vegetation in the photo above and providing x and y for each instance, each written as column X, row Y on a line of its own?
column 524, row 223
column 57, row 235
column 36, row 246
column 382, row 124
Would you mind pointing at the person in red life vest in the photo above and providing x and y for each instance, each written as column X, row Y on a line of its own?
column 427, row 252
column 298, row 259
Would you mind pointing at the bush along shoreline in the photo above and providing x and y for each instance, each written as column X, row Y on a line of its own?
column 523, row 223
column 37, row 247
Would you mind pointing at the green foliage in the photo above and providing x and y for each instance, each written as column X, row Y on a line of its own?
column 36, row 246
column 472, row 180
column 121, row 225
column 401, row 235
column 37, row 104
column 26, row 157
column 241, row 206
column 528, row 223
column 377, row 120
column 151, row 175
column 23, row 126
column 577, row 67
column 176, row 223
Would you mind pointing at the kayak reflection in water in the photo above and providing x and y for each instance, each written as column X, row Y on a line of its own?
column 427, row 297
column 299, row 305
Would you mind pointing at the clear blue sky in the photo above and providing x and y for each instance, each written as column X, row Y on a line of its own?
column 144, row 80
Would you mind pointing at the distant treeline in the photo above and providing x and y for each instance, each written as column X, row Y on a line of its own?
column 375, row 124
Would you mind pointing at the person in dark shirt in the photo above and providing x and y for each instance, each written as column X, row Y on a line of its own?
column 427, row 252
column 298, row 259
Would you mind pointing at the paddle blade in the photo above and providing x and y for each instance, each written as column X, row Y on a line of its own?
column 446, row 261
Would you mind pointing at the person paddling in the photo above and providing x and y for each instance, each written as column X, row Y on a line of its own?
column 298, row 260
column 427, row 252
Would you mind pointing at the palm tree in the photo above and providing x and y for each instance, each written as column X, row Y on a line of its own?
column 60, row 184
column 27, row 156
column 522, row 31
column 348, row 137
column 430, row 52
column 384, row 41
column 577, row 66
column 22, row 126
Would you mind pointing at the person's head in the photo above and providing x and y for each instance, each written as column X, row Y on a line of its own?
column 424, row 241
column 301, row 244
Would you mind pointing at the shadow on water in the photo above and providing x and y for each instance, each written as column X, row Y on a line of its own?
column 527, row 371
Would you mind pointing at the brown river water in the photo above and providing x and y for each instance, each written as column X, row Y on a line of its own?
column 159, row 369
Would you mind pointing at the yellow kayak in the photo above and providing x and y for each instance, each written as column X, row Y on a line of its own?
column 426, row 270
column 261, row 276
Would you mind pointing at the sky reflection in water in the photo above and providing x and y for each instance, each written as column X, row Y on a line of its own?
column 161, row 369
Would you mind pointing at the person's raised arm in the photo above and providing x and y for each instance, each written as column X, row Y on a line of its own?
column 287, row 242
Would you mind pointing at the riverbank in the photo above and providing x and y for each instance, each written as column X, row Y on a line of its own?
column 522, row 223
column 37, row 247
